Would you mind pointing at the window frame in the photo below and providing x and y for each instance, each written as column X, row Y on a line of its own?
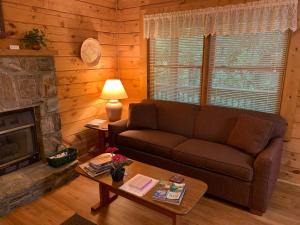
column 204, row 73
column 173, row 46
column 283, row 77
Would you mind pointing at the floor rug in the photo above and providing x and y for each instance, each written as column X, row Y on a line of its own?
column 77, row 220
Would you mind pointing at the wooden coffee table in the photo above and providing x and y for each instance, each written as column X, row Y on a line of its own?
column 109, row 190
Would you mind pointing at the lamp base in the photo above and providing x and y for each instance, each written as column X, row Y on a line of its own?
column 113, row 110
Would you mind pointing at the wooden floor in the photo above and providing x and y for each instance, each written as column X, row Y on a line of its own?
column 80, row 194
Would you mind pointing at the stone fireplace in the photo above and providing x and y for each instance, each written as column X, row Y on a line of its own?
column 30, row 83
column 30, row 130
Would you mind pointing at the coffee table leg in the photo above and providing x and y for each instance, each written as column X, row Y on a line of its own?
column 105, row 198
column 177, row 220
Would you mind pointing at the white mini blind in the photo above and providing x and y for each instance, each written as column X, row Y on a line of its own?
column 246, row 71
column 175, row 69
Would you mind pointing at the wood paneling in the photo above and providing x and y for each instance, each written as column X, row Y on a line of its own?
column 291, row 83
column 67, row 24
column 70, row 7
column 79, row 195
column 133, row 71
column 27, row 52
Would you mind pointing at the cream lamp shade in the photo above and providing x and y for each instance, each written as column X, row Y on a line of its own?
column 112, row 91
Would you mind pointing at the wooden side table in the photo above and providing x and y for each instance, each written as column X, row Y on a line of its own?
column 103, row 137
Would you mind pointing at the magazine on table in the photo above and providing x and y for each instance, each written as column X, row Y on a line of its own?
column 91, row 172
column 98, row 165
column 96, row 123
column 169, row 192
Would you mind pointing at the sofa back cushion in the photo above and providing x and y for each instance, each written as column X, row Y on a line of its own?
column 175, row 117
column 251, row 134
column 215, row 123
column 142, row 116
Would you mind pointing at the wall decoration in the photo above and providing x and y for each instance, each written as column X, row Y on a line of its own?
column 34, row 39
column 90, row 52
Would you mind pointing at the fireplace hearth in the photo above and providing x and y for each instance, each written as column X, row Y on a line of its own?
column 18, row 140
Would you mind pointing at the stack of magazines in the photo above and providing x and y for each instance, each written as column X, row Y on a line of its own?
column 98, row 165
column 96, row 123
column 169, row 192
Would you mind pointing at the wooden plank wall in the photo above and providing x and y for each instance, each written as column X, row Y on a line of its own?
column 131, row 48
column 67, row 24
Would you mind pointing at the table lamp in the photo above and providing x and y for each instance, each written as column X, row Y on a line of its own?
column 113, row 91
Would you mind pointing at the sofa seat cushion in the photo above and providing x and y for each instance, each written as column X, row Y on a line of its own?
column 151, row 141
column 215, row 157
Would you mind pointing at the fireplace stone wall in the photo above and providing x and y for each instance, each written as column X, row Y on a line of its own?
column 31, row 82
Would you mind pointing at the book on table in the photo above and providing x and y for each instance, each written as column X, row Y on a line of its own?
column 140, row 182
column 101, row 160
column 98, row 165
column 169, row 192
column 139, row 185
column 92, row 172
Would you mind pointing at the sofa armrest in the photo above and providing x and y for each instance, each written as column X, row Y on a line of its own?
column 114, row 129
column 266, row 170
column 269, row 159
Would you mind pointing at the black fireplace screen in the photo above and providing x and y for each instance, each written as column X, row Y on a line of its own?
column 15, row 145
column 18, row 145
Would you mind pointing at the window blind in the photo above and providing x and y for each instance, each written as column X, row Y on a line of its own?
column 246, row 71
column 175, row 69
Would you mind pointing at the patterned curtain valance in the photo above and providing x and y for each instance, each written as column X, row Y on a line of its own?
column 253, row 17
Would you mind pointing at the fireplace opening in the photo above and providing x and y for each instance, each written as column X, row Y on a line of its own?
column 18, row 140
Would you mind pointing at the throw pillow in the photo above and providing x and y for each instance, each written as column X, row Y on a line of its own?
column 251, row 134
column 142, row 116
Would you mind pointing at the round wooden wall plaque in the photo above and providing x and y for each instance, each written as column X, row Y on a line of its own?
column 90, row 52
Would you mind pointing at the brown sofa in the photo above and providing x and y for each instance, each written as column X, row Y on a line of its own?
column 192, row 140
